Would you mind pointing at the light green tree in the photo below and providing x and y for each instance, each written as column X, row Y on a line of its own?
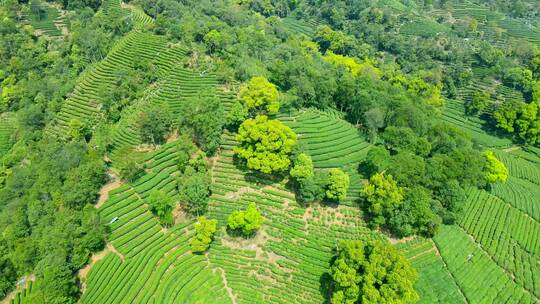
column 382, row 195
column 265, row 144
column 204, row 233
column 372, row 272
column 303, row 167
column 495, row 170
column 260, row 95
column 248, row 221
column 338, row 184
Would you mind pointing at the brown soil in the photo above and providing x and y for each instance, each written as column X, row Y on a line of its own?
column 239, row 193
column 395, row 241
column 146, row 148
column 227, row 288
column 172, row 137
column 10, row 296
column 104, row 192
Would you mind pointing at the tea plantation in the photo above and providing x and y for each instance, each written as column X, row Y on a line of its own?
column 278, row 151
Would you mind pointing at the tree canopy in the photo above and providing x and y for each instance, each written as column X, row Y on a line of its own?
column 204, row 234
column 496, row 171
column 247, row 221
column 338, row 184
column 260, row 96
column 371, row 272
column 303, row 167
column 265, row 144
column 382, row 195
column 162, row 206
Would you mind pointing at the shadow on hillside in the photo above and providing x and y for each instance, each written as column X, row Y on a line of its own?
column 325, row 286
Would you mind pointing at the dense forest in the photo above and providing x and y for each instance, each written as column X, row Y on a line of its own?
column 269, row 151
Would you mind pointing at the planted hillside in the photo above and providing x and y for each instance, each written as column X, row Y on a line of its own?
column 210, row 151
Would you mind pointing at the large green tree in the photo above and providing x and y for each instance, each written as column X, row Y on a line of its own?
column 154, row 124
column 203, row 116
column 265, row 145
column 260, row 95
column 382, row 195
column 371, row 272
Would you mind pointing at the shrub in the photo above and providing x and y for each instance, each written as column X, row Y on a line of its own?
column 204, row 233
column 248, row 221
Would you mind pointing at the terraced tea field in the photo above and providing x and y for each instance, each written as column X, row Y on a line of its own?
column 84, row 103
column 332, row 143
column 289, row 257
column 454, row 113
column 7, row 128
column 150, row 264
column 177, row 85
column 435, row 284
column 480, row 278
column 46, row 20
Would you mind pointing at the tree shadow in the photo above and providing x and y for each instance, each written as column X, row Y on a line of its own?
column 325, row 287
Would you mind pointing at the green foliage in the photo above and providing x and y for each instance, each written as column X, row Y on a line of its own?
column 303, row 167
column 495, row 170
column 248, row 221
column 521, row 119
column 338, row 184
column 8, row 273
column 399, row 139
column 82, row 184
column 203, row 116
column 130, row 167
column 265, row 144
column 57, row 282
column 154, row 124
column 162, row 206
column 335, row 41
column 260, row 96
column 204, row 233
column 478, row 104
column 371, row 272
column 313, row 189
column 194, row 185
column 383, row 196
column 236, row 115
column 414, row 215
column 353, row 66
column 77, row 129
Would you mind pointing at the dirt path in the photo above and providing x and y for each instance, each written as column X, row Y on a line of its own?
column 10, row 296
column 395, row 241
column 229, row 290
column 513, row 148
column 104, row 192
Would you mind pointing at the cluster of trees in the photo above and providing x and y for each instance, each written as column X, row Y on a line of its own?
column 47, row 222
column 417, row 180
column 194, row 180
column 245, row 221
column 371, row 272
column 317, row 185
column 48, row 225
